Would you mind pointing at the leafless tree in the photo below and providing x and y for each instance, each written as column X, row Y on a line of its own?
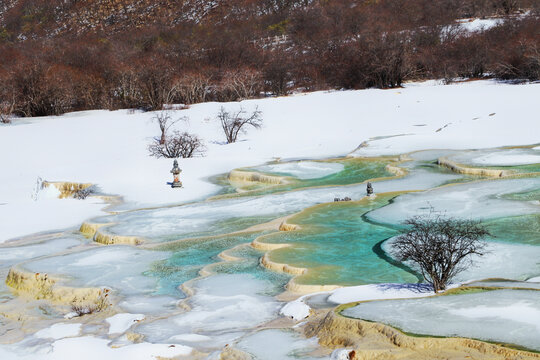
column 242, row 84
column 193, row 89
column 165, row 121
column 6, row 110
column 440, row 246
column 233, row 123
column 177, row 145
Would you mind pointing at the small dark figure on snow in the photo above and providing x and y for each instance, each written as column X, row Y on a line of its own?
column 369, row 189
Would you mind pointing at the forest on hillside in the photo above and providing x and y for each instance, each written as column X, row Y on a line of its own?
column 65, row 55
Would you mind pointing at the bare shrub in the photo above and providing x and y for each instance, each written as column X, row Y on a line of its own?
column 441, row 247
column 82, row 308
column 7, row 107
column 241, row 84
column 177, row 145
column 165, row 121
column 82, row 194
column 192, row 89
column 234, row 123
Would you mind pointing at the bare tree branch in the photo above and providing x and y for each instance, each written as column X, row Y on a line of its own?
column 441, row 247
column 234, row 123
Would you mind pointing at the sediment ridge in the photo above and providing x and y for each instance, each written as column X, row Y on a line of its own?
column 41, row 286
column 253, row 176
column 111, row 239
column 370, row 340
column 461, row 169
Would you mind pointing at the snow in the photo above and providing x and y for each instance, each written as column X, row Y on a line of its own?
column 297, row 310
column 120, row 323
column 94, row 348
column 379, row 292
column 59, row 331
column 340, row 354
column 509, row 159
column 496, row 157
column 478, row 200
column 475, row 25
column 108, row 148
column 535, row 279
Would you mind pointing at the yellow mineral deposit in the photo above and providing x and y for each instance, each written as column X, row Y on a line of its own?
column 371, row 340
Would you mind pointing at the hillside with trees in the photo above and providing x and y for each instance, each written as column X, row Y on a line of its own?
column 59, row 56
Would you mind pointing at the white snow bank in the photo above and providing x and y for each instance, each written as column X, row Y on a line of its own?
column 297, row 310
column 92, row 348
column 534, row 279
column 340, row 354
column 109, row 148
column 119, row 323
column 59, row 331
column 475, row 25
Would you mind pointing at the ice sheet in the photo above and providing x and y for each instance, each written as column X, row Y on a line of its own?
column 118, row 267
column 12, row 255
column 263, row 345
column 303, row 169
column 223, row 308
column 498, row 157
column 501, row 260
column 479, row 200
column 510, row 316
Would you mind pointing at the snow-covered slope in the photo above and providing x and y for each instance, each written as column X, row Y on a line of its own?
column 109, row 148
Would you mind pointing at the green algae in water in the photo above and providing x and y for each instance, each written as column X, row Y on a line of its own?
column 355, row 171
column 189, row 257
column 249, row 264
column 523, row 229
column 224, row 227
column 338, row 246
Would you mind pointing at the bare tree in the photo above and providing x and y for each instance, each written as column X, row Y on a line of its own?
column 242, row 84
column 233, row 123
column 193, row 89
column 440, row 246
column 177, row 145
column 6, row 110
column 165, row 121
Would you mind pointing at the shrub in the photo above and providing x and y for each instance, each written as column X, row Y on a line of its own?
column 177, row 145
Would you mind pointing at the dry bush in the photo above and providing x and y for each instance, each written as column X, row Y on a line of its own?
column 193, row 88
column 234, row 123
column 240, row 85
column 177, row 145
column 440, row 247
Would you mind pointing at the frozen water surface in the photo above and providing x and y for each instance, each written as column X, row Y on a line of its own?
column 498, row 157
column 277, row 344
column 223, row 309
column 508, row 316
column 118, row 267
column 479, row 200
column 506, row 284
column 302, row 169
column 12, row 255
column 208, row 217
column 501, row 260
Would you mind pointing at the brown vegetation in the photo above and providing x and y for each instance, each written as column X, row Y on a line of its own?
column 59, row 55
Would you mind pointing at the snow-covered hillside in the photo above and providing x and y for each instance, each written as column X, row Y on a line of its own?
column 109, row 149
